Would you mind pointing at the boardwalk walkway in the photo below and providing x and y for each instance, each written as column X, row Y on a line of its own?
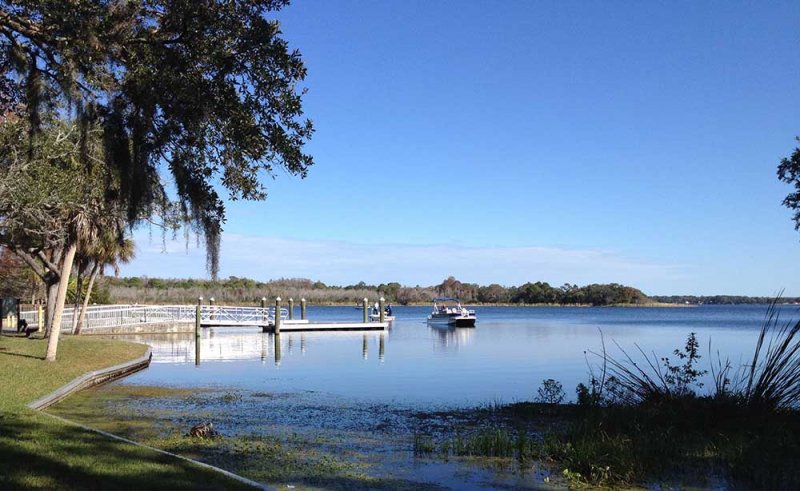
column 102, row 318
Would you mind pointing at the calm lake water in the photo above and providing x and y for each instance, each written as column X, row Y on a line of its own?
column 504, row 358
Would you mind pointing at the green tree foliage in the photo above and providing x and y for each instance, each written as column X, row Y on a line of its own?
column 56, row 197
column 789, row 172
column 244, row 290
column 389, row 290
column 17, row 279
column 595, row 294
column 451, row 287
column 493, row 293
column 110, row 249
column 720, row 299
column 206, row 90
column 43, row 187
column 95, row 295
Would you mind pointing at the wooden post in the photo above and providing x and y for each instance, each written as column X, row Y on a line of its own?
column 291, row 308
column 40, row 318
column 366, row 316
column 278, row 315
column 197, row 331
column 303, row 308
column 380, row 306
column 17, row 317
column 211, row 304
column 265, row 314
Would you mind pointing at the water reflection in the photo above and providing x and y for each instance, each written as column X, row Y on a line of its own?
column 448, row 338
column 506, row 356
column 216, row 346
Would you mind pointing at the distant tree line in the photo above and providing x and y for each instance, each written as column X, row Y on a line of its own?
column 249, row 291
column 719, row 299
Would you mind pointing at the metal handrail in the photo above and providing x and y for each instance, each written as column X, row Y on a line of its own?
column 107, row 316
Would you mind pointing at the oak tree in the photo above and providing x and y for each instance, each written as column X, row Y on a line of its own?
column 205, row 91
column 789, row 172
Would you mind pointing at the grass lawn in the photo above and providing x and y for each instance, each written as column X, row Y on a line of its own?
column 37, row 451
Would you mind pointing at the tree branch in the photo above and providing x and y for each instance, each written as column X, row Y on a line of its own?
column 30, row 261
column 48, row 264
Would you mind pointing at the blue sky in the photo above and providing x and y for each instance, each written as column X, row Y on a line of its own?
column 504, row 142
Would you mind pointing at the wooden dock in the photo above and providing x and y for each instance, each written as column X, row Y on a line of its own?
column 301, row 325
column 306, row 326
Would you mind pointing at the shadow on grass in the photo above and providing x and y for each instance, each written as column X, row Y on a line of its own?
column 21, row 355
column 57, row 456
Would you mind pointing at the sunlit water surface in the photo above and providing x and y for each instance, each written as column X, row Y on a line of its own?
column 504, row 358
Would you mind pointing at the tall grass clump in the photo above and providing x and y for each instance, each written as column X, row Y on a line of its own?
column 643, row 416
column 771, row 382
column 656, row 379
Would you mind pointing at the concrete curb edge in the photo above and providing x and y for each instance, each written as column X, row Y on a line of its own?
column 91, row 379
column 109, row 374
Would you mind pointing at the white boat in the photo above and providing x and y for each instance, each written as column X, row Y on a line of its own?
column 375, row 315
column 449, row 312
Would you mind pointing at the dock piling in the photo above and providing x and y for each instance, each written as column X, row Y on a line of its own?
column 265, row 314
column 366, row 316
column 303, row 309
column 197, row 331
column 380, row 307
column 291, row 309
column 278, row 315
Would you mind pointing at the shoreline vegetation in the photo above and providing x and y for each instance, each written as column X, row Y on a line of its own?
column 245, row 291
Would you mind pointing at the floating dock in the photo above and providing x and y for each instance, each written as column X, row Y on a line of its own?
column 297, row 325
column 306, row 326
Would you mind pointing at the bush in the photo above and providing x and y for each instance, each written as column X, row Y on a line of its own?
column 550, row 392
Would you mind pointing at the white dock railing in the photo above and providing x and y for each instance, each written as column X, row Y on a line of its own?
column 108, row 316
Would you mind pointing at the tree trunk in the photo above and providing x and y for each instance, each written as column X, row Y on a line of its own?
column 52, row 293
column 78, row 298
column 92, row 277
column 55, row 329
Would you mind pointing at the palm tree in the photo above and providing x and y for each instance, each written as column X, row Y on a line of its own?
column 110, row 250
column 80, row 229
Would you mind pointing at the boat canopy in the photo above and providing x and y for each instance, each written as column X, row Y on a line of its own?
column 445, row 299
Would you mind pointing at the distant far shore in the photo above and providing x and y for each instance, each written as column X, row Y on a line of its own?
column 245, row 291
